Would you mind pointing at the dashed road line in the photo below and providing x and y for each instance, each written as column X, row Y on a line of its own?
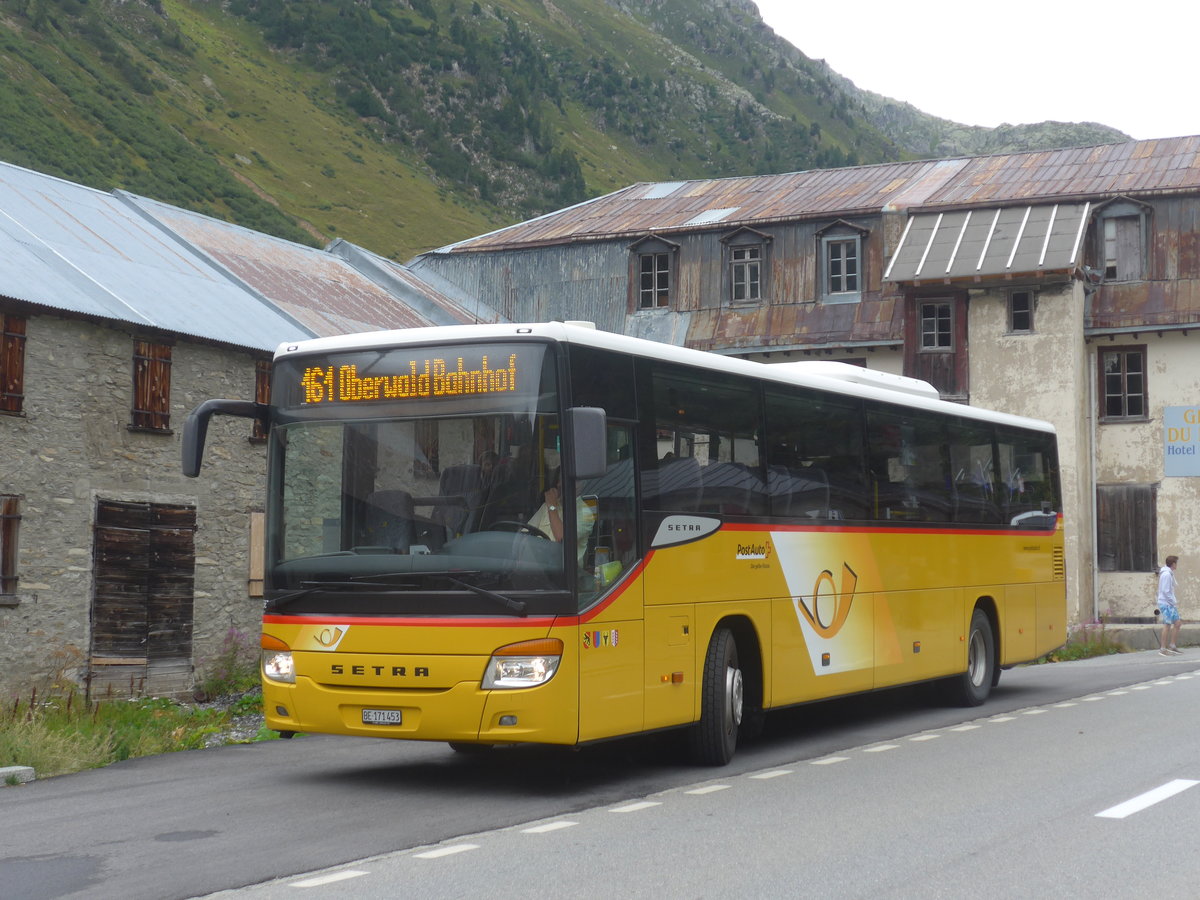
column 331, row 878
column 635, row 807
column 774, row 773
column 708, row 789
column 451, row 850
column 548, row 827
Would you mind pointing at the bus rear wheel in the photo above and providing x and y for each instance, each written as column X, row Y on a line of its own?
column 713, row 739
column 973, row 686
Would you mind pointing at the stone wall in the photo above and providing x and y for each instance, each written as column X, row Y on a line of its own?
column 72, row 446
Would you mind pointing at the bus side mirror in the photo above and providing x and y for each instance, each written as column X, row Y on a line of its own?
column 588, row 426
column 195, row 429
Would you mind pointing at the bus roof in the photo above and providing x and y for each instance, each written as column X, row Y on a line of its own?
column 840, row 378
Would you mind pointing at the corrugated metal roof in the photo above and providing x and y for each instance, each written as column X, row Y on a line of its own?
column 71, row 248
column 319, row 289
column 986, row 242
column 1171, row 164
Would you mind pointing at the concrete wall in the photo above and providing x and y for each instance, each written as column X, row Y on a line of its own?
column 72, row 446
column 1134, row 453
column 1044, row 374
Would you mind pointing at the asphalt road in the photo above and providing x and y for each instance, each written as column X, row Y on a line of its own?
column 188, row 824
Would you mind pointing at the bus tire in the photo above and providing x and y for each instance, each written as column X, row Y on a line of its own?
column 974, row 685
column 713, row 739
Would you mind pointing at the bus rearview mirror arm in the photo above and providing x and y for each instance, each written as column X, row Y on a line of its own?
column 195, row 429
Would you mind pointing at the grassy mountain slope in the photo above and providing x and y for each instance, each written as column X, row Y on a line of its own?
column 402, row 125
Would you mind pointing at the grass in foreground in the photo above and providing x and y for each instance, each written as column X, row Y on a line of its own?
column 57, row 729
column 64, row 733
column 1084, row 641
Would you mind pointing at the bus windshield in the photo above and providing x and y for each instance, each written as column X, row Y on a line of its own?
column 418, row 483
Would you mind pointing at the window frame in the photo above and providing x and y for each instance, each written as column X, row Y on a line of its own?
column 1109, row 238
column 659, row 295
column 1013, row 312
column 1102, row 390
column 841, row 294
column 938, row 332
column 10, row 529
column 740, row 270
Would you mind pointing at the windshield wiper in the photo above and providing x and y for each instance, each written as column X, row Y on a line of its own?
column 517, row 606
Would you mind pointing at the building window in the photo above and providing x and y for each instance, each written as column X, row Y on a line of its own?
column 151, row 386
column 262, row 394
column 1122, row 245
column 840, row 256
column 937, row 326
column 1020, row 310
column 745, row 265
column 12, row 363
column 1123, row 383
column 10, row 523
column 1125, row 527
column 654, row 290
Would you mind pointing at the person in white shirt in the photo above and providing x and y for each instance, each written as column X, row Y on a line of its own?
column 1168, row 606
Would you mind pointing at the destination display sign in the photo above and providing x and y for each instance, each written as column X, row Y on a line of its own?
column 408, row 375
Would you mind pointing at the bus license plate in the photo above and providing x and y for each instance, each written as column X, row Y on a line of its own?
column 382, row 717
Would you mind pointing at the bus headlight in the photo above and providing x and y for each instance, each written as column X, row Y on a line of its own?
column 277, row 664
column 523, row 665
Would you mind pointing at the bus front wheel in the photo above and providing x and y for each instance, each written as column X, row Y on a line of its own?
column 713, row 739
column 972, row 687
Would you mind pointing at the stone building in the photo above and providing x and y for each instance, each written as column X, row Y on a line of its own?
column 1063, row 285
column 118, row 316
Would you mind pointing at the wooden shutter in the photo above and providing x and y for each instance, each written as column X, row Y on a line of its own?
column 12, row 363
column 151, row 386
column 144, row 568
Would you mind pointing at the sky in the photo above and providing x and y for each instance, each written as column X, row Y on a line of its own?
column 1122, row 64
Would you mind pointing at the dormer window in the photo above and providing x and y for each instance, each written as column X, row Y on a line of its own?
column 841, row 250
column 652, row 273
column 746, row 257
column 745, row 273
column 1121, row 240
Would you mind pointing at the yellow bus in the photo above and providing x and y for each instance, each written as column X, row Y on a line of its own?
column 546, row 533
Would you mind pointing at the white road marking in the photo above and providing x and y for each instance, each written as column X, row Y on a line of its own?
column 925, row 737
column 1065, row 705
column 635, row 807
column 708, row 789
column 880, row 748
column 332, row 878
column 965, row 728
column 829, row 760
column 1142, row 801
column 763, row 776
column 549, row 826
column 1033, row 712
column 446, row 851
column 1001, row 718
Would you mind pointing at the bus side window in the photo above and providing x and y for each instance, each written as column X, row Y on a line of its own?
column 815, row 456
column 706, row 456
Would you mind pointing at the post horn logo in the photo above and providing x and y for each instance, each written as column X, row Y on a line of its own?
column 828, row 626
column 329, row 637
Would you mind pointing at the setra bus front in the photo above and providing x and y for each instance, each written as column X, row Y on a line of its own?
column 421, row 581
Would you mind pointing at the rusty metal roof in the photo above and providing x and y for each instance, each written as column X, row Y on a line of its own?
column 317, row 288
column 1135, row 167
